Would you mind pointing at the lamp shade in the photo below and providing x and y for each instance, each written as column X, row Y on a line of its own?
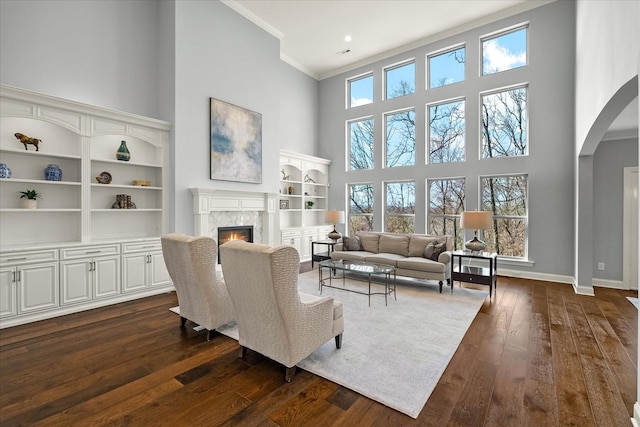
column 476, row 220
column 334, row 217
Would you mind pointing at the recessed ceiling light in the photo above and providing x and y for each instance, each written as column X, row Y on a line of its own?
column 347, row 38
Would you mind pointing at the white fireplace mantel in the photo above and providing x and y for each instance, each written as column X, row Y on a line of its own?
column 206, row 201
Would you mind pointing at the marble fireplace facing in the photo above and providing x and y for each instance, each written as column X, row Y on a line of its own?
column 213, row 209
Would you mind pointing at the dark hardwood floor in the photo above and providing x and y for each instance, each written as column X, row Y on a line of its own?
column 537, row 354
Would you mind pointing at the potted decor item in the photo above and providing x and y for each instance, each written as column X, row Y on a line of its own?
column 30, row 199
column 123, row 152
column 5, row 172
column 52, row 172
column 310, row 204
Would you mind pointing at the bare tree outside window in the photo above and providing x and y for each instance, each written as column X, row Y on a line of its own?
column 446, row 68
column 504, row 123
column 446, row 203
column 446, row 132
column 360, row 208
column 400, row 80
column 361, row 144
column 506, row 197
column 400, row 148
column 400, row 207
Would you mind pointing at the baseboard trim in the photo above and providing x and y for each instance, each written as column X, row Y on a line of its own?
column 604, row 283
column 545, row 277
column 635, row 421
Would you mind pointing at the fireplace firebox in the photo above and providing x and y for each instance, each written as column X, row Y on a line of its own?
column 238, row 232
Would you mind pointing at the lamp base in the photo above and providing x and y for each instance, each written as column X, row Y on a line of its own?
column 475, row 245
column 334, row 234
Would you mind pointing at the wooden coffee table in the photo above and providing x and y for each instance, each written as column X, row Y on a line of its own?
column 358, row 268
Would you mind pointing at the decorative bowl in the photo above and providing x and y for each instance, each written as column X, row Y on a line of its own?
column 104, row 178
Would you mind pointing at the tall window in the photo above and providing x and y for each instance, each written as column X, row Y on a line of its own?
column 504, row 123
column 360, row 90
column 400, row 139
column 446, row 203
column 360, row 208
column 446, row 68
column 446, row 132
column 360, row 144
column 506, row 197
column 400, row 79
column 505, row 51
column 400, row 207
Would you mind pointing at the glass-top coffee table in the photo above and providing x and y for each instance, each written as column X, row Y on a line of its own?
column 361, row 268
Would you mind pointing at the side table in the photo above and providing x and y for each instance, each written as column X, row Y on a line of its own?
column 321, row 256
column 474, row 274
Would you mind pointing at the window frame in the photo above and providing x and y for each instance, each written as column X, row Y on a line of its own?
column 348, row 81
column 386, row 215
column 393, row 67
column 427, row 65
column 525, row 218
column 499, row 33
column 384, row 137
column 348, row 143
column 456, row 217
column 427, row 145
column 349, row 213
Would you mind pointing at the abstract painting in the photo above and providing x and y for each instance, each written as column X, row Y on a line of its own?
column 236, row 143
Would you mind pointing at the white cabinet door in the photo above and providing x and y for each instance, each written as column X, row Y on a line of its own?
column 106, row 276
column 76, row 280
column 134, row 272
column 158, row 273
column 37, row 287
column 8, row 304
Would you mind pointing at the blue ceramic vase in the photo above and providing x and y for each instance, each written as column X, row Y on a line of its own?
column 123, row 152
column 5, row 172
column 53, row 173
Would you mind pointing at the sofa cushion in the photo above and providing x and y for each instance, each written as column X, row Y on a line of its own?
column 369, row 241
column 392, row 244
column 350, row 255
column 351, row 243
column 418, row 243
column 385, row 258
column 434, row 249
column 420, row 264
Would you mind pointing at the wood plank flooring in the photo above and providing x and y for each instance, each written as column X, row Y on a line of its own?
column 536, row 354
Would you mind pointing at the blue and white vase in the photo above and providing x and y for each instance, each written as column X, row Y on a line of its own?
column 5, row 172
column 53, row 173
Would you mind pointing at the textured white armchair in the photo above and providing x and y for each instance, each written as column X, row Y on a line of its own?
column 273, row 318
column 202, row 295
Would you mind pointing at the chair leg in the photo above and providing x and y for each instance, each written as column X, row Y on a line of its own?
column 183, row 321
column 289, row 374
column 440, row 286
column 338, row 341
column 243, row 352
column 210, row 334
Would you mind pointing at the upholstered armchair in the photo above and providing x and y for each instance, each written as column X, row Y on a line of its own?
column 274, row 319
column 202, row 295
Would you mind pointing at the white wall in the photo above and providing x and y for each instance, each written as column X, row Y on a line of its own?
column 103, row 53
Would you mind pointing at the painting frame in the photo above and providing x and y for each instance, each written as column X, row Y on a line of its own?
column 235, row 143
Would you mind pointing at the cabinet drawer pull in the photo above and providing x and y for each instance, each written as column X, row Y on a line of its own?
column 16, row 259
column 148, row 247
column 92, row 252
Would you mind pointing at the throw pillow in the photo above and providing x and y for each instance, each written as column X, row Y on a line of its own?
column 434, row 249
column 351, row 243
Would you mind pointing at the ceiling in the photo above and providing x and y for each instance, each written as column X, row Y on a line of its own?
column 312, row 32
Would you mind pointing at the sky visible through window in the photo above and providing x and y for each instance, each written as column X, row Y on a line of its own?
column 361, row 91
column 504, row 52
column 447, row 68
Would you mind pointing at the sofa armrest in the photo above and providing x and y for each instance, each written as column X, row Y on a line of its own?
column 445, row 257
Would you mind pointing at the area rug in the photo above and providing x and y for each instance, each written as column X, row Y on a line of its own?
column 393, row 354
column 634, row 301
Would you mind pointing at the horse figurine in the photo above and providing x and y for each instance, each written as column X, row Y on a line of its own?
column 28, row 140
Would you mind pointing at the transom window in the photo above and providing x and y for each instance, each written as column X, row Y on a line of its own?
column 400, row 138
column 505, row 51
column 504, row 123
column 400, row 79
column 446, row 68
column 446, row 132
column 360, row 208
column 506, row 197
column 400, row 207
column 360, row 144
column 360, row 90
column 446, row 203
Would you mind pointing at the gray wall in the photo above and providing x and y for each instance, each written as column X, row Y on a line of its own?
column 102, row 53
column 609, row 161
column 551, row 134
column 298, row 111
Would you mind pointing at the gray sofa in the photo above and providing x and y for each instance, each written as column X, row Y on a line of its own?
column 420, row 256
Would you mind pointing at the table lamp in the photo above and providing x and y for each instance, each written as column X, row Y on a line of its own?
column 476, row 220
column 334, row 217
